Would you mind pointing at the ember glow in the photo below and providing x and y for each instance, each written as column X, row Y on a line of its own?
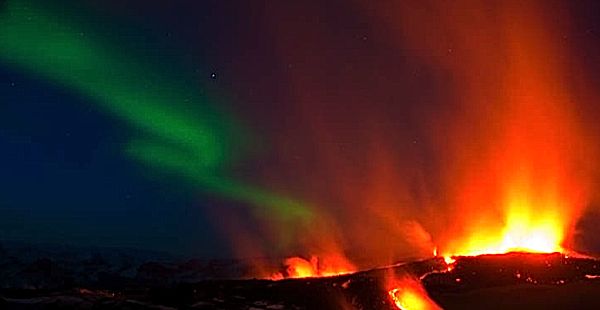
column 409, row 294
column 298, row 267
column 521, row 234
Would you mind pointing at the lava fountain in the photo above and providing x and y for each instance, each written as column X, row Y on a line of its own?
column 485, row 153
column 516, row 164
column 512, row 164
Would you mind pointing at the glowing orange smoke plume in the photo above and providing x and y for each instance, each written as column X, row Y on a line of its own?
column 472, row 142
column 529, row 170
column 409, row 294
column 515, row 163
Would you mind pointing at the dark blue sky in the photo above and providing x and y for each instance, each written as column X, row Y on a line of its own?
column 67, row 181
column 65, row 177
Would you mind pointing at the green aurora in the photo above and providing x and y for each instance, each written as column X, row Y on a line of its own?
column 177, row 130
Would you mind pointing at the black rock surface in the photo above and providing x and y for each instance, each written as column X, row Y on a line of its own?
column 508, row 281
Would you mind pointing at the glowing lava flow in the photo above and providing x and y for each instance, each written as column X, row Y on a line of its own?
column 297, row 267
column 409, row 294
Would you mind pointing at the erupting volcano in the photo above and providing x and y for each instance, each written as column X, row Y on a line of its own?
column 514, row 162
column 412, row 155
column 514, row 157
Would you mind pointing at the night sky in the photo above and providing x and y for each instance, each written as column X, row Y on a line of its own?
column 206, row 128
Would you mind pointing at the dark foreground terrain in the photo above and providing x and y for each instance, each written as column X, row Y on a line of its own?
column 509, row 281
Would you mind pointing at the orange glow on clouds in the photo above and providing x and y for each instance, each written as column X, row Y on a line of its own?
column 516, row 164
column 475, row 145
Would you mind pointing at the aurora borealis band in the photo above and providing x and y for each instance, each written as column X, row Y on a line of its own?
column 195, row 142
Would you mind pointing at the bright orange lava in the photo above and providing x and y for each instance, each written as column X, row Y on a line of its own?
column 297, row 267
column 408, row 294
column 522, row 233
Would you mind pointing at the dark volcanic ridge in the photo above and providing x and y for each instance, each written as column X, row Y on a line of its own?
column 514, row 280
